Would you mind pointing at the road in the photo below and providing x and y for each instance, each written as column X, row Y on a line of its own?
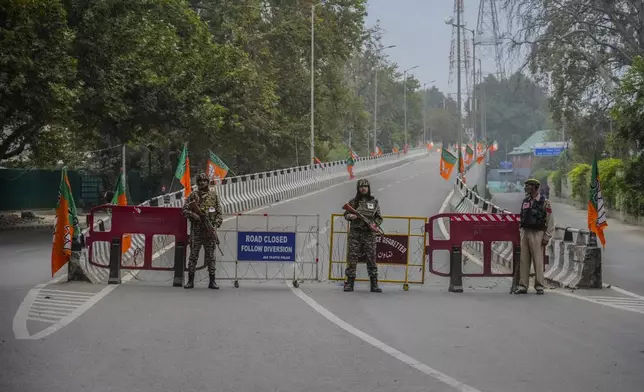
column 622, row 264
column 269, row 337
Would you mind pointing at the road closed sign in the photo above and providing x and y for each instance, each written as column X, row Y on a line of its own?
column 392, row 249
column 265, row 246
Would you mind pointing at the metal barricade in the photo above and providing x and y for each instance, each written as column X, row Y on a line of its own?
column 269, row 247
column 140, row 226
column 488, row 229
column 400, row 253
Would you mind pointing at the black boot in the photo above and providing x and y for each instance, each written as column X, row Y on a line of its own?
column 348, row 285
column 374, row 285
column 191, row 281
column 213, row 284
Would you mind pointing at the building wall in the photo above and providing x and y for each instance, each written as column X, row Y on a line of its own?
column 523, row 161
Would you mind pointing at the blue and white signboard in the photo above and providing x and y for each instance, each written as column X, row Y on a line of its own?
column 505, row 165
column 548, row 151
column 265, row 246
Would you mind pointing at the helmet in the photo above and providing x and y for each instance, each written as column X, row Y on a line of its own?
column 532, row 181
column 363, row 182
column 202, row 177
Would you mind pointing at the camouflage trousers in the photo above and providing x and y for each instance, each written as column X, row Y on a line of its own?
column 362, row 245
column 209, row 245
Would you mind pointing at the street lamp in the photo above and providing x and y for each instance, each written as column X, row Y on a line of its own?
column 313, row 80
column 425, row 112
column 474, row 43
column 450, row 21
column 375, row 105
column 405, row 97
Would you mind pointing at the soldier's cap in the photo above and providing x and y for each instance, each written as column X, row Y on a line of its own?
column 363, row 182
column 532, row 181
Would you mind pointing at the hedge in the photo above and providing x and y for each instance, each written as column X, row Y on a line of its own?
column 579, row 178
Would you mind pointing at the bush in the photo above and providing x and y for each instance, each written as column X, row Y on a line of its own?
column 579, row 178
column 630, row 196
column 611, row 176
column 555, row 177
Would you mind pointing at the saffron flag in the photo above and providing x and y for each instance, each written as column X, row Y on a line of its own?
column 65, row 226
column 469, row 155
column 596, row 212
column 121, row 199
column 216, row 168
column 183, row 172
column 395, row 149
column 461, row 165
column 448, row 160
column 354, row 156
column 378, row 150
column 317, row 161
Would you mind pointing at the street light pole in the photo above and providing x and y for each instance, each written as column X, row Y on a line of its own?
column 458, row 78
column 405, row 98
column 425, row 112
column 375, row 104
column 312, row 85
column 405, row 105
column 473, row 117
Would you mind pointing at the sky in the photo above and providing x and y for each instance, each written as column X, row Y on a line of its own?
column 418, row 29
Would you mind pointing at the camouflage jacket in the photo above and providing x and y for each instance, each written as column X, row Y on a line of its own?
column 370, row 208
column 208, row 203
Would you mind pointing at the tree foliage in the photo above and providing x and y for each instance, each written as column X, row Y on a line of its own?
column 226, row 75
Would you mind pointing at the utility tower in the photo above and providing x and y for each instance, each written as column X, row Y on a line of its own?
column 466, row 58
column 487, row 27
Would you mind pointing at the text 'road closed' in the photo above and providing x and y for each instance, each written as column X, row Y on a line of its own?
column 265, row 246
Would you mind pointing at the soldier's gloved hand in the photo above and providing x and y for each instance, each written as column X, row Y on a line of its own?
column 352, row 216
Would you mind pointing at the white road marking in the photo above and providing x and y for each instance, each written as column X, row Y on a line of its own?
column 404, row 358
column 633, row 304
column 381, row 189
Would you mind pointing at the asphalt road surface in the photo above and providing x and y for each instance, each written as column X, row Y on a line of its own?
column 622, row 264
column 267, row 336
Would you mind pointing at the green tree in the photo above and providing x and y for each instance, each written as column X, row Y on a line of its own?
column 37, row 72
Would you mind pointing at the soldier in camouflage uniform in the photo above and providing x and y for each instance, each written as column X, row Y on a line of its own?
column 362, row 240
column 208, row 202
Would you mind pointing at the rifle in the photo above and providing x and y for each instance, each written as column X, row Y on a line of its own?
column 372, row 225
column 206, row 222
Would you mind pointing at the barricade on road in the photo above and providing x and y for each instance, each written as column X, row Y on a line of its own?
column 486, row 229
column 471, row 202
column 400, row 253
column 242, row 193
column 269, row 247
column 138, row 225
column 574, row 263
column 576, row 259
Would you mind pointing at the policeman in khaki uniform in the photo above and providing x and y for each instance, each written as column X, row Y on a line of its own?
column 207, row 202
column 537, row 227
column 362, row 239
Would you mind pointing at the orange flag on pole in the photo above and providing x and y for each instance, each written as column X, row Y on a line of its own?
column 447, row 163
column 596, row 212
column 183, row 172
column 65, row 226
column 120, row 199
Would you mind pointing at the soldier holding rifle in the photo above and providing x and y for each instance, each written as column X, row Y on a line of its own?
column 203, row 209
column 363, row 211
